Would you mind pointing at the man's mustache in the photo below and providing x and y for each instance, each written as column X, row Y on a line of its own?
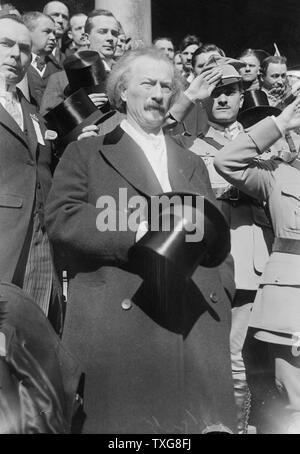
column 156, row 107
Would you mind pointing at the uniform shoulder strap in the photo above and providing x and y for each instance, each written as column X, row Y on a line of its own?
column 211, row 141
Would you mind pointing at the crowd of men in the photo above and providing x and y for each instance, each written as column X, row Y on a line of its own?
column 159, row 346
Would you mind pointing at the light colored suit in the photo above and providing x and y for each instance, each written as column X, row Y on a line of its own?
column 251, row 233
column 277, row 305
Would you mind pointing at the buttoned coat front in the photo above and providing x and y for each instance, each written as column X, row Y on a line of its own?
column 143, row 375
column 25, row 176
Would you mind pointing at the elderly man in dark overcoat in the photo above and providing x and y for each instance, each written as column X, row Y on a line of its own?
column 144, row 374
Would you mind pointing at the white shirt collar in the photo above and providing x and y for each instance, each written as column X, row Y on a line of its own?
column 154, row 148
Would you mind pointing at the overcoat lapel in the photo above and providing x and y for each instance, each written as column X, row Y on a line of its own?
column 29, row 110
column 9, row 123
column 180, row 166
column 129, row 160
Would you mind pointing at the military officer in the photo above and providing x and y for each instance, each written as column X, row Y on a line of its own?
column 276, row 311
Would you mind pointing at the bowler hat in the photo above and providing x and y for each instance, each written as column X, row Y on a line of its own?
column 85, row 69
column 73, row 114
column 255, row 108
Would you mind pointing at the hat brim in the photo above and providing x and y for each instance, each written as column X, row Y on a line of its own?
column 229, row 81
column 95, row 118
column 99, row 88
column 253, row 115
column 165, row 244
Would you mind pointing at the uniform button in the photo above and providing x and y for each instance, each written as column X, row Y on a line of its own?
column 39, row 185
column 126, row 304
column 214, row 297
column 30, row 163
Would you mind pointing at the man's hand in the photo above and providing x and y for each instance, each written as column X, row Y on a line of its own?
column 290, row 116
column 99, row 99
column 88, row 131
column 203, row 85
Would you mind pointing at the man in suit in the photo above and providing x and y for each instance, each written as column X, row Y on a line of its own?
column 42, row 32
column 25, row 174
column 144, row 374
column 275, row 317
column 102, row 31
column 60, row 14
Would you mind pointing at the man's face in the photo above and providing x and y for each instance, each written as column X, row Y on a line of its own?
column 148, row 93
column 224, row 104
column 250, row 72
column 275, row 78
column 166, row 47
column 15, row 51
column 60, row 14
column 104, row 36
column 187, row 54
column 203, row 58
column 77, row 33
column 178, row 62
column 121, row 44
column 43, row 36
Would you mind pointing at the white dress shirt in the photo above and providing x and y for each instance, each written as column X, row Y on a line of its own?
column 154, row 148
column 10, row 101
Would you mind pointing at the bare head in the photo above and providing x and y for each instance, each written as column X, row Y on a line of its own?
column 15, row 49
column 144, row 84
column 60, row 14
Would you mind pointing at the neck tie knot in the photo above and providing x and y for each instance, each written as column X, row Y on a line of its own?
column 40, row 62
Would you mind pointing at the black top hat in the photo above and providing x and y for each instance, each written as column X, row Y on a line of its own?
column 172, row 244
column 73, row 114
column 255, row 108
column 166, row 259
column 85, row 69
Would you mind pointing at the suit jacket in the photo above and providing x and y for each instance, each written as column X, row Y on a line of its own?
column 25, row 179
column 37, row 83
column 276, row 307
column 144, row 373
column 54, row 91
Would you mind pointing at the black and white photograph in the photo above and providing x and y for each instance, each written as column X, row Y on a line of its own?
column 150, row 219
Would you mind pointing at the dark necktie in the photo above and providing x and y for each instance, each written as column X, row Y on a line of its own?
column 40, row 62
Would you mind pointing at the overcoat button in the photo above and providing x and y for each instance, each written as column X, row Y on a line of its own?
column 126, row 304
column 214, row 297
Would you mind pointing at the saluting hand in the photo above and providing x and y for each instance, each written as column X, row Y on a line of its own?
column 290, row 116
column 202, row 86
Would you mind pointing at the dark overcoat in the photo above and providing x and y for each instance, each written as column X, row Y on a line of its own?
column 142, row 375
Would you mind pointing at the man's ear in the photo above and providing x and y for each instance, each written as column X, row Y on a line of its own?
column 241, row 100
column 87, row 39
column 124, row 95
column 70, row 35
